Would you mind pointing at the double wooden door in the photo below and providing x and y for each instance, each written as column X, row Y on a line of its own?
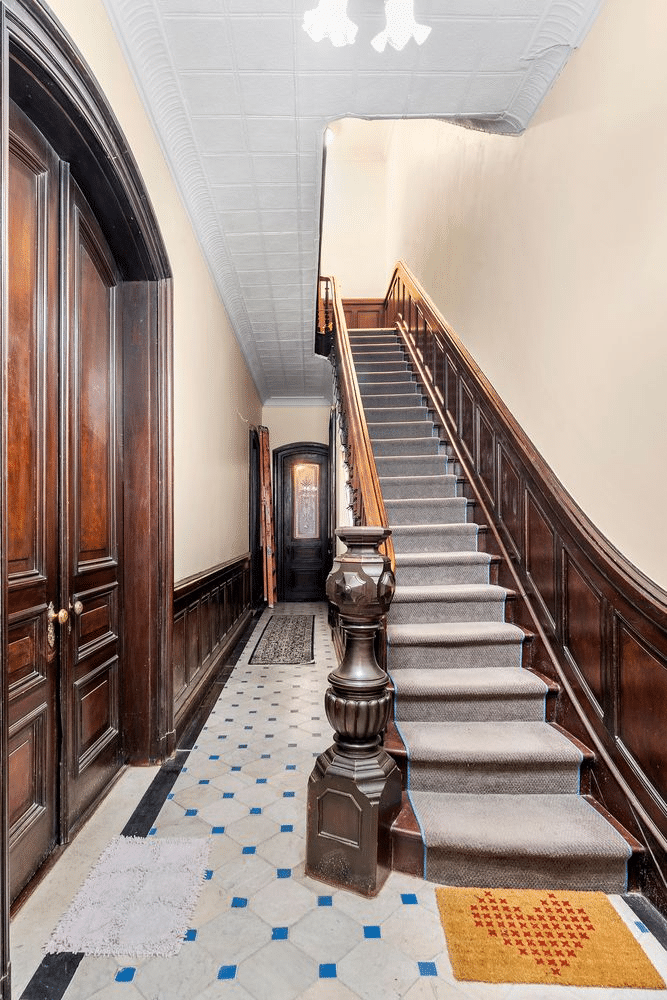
column 64, row 515
column 303, row 542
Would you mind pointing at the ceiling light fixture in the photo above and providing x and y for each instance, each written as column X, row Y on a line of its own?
column 401, row 26
column 330, row 20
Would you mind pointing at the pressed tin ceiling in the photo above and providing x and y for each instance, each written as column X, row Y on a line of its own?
column 241, row 96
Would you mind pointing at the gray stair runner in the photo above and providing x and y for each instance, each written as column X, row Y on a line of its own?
column 494, row 786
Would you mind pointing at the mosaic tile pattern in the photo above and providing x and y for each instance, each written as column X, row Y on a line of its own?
column 261, row 929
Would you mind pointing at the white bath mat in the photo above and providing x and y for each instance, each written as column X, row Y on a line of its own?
column 137, row 900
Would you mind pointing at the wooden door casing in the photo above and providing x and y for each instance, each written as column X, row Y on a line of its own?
column 32, row 496
column 302, row 562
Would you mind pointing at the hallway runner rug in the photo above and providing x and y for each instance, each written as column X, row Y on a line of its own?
column 137, row 900
column 286, row 639
column 534, row 936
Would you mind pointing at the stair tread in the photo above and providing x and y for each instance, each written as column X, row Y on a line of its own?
column 548, row 826
column 454, row 634
column 489, row 743
column 457, row 683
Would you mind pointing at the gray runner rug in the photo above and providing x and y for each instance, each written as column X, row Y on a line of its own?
column 286, row 639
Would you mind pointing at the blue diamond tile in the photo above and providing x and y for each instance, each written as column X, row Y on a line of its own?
column 237, row 767
column 217, row 829
column 290, row 767
column 205, row 781
column 279, row 934
column 190, row 935
column 125, row 975
column 255, row 811
column 243, row 746
column 227, row 972
column 287, row 828
column 325, row 900
column 214, row 756
column 265, row 756
column 249, row 850
column 152, row 831
column 228, row 795
column 284, row 872
column 409, row 898
column 239, row 902
column 427, row 969
column 372, row 931
column 260, row 781
column 642, row 927
column 288, row 795
column 247, row 727
column 170, row 796
column 208, row 875
column 190, row 812
column 223, row 737
column 327, row 971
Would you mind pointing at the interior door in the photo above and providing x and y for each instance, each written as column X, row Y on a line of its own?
column 91, row 515
column 32, row 498
column 64, row 517
column 301, row 474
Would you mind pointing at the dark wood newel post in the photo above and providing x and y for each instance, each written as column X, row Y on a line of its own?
column 354, row 791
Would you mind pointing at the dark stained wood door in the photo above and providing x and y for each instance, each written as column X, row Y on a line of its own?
column 91, row 524
column 63, row 512
column 301, row 476
column 32, row 497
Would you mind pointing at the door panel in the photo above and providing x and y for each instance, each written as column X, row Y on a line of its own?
column 302, row 521
column 32, row 495
column 91, row 515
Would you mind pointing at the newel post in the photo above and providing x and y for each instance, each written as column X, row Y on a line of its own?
column 354, row 791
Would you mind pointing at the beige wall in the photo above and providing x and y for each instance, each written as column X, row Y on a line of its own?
column 288, row 424
column 354, row 245
column 214, row 396
column 548, row 255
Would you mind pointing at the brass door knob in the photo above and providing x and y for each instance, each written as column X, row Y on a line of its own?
column 76, row 607
column 61, row 616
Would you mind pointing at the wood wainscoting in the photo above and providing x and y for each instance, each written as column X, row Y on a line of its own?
column 211, row 610
column 364, row 314
column 600, row 625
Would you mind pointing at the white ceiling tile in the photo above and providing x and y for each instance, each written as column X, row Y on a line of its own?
column 233, row 196
column 267, row 93
column 326, row 93
column 489, row 89
column 263, row 42
column 259, row 6
column 277, row 195
column 211, row 93
column 240, row 222
column 228, row 168
column 271, row 135
column 218, row 135
column 198, row 43
column 511, row 39
column 439, row 94
column 276, row 168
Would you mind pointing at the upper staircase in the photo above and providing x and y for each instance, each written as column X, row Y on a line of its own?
column 496, row 788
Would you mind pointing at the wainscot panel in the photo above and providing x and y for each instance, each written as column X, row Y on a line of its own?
column 211, row 610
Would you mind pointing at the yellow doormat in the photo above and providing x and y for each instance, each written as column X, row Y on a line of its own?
column 533, row 936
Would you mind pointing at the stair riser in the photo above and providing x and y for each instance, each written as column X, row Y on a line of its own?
column 422, row 613
column 442, row 573
column 396, row 414
column 378, row 357
column 406, row 446
column 411, row 400
column 452, row 866
column 453, row 510
column 375, row 379
column 452, row 657
column 435, row 539
column 406, row 429
column 443, row 707
column 417, row 465
column 513, row 777
column 420, row 487
column 381, row 367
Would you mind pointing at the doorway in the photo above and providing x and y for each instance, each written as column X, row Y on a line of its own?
column 303, row 531
column 255, row 523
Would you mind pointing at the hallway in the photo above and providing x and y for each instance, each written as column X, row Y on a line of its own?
column 261, row 929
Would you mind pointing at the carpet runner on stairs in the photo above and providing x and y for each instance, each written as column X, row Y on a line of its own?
column 494, row 786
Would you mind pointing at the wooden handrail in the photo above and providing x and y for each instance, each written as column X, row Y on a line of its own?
column 367, row 503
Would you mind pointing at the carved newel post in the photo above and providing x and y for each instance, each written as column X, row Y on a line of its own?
column 354, row 791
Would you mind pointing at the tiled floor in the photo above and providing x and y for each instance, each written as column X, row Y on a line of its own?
column 261, row 929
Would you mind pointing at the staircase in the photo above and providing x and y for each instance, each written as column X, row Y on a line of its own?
column 494, row 786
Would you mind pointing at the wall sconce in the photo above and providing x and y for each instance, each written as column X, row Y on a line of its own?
column 329, row 20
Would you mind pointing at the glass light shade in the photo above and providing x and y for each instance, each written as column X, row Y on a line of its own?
column 329, row 20
column 401, row 26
